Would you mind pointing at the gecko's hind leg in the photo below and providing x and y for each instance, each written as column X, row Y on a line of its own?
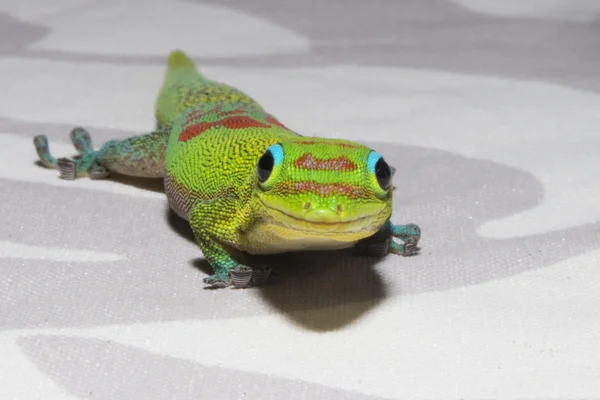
column 141, row 156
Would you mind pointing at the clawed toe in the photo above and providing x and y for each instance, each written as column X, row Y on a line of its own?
column 216, row 282
column 410, row 247
column 260, row 276
column 43, row 150
column 81, row 140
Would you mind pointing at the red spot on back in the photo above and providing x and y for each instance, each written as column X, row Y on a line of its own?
column 275, row 122
column 218, row 109
column 234, row 122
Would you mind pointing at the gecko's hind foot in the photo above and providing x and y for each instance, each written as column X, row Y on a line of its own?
column 67, row 168
column 241, row 276
column 81, row 140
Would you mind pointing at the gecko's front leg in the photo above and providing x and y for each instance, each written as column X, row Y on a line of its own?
column 208, row 220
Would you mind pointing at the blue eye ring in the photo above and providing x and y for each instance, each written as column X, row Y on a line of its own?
column 277, row 152
column 372, row 161
column 272, row 157
column 380, row 168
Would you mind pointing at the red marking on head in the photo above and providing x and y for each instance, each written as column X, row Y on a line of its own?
column 341, row 163
column 322, row 189
column 235, row 122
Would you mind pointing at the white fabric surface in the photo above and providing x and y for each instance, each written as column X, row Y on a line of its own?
column 489, row 112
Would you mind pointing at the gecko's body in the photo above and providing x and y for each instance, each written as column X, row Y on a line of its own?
column 245, row 181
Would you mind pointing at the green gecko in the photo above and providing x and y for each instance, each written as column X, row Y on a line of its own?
column 246, row 182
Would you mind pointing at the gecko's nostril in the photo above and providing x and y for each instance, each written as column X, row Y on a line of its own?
column 340, row 208
column 307, row 205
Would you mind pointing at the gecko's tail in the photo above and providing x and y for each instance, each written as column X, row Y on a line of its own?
column 181, row 76
column 178, row 59
column 180, row 65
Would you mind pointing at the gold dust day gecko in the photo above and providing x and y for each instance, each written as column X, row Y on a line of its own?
column 246, row 182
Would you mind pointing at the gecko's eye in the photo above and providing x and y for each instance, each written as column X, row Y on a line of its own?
column 265, row 166
column 269, row 162
column 383, row 173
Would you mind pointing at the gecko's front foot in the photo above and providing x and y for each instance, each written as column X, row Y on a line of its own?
column 382, row 243
column 410, row 234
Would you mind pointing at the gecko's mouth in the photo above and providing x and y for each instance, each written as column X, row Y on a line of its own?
column 323, row 221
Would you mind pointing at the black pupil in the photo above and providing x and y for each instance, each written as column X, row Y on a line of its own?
column 265, row 166
column 383, row 174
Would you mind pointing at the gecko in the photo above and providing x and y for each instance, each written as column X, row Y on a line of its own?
column 246, row 182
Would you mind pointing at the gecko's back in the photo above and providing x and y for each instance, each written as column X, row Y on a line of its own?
column 217, row 133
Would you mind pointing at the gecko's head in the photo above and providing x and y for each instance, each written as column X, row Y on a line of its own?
column 324, row 187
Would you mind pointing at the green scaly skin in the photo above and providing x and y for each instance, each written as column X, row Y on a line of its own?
column 246, row 182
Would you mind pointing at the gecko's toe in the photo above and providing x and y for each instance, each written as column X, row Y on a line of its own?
column 66, row 168
column 241, row 276
column 41, row 143
column 260, row 276
column 43, row 151
column 410, row 247
column 216, row 282
column 81, row 140
column 380, row 249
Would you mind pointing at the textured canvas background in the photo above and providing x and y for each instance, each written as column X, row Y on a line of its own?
column 488, row 108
